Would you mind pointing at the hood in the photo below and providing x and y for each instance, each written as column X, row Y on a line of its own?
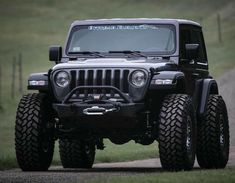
column 143, row 63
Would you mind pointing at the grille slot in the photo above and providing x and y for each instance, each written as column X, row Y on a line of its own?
column 111, row 77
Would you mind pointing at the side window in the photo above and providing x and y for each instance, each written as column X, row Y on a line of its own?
column 197, row 38
column 184, row 39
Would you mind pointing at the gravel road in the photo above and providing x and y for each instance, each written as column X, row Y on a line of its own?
column 58, row 174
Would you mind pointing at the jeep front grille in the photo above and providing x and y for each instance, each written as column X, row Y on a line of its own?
column 110, row 77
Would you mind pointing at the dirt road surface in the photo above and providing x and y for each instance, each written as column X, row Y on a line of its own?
column 58, row 174
column 227, row 89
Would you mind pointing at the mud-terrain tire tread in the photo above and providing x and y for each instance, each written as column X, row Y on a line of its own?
column 209, row 153
column 73, row 153
column 32, row 114
column 172, row 135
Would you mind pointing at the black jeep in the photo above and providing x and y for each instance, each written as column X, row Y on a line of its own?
column 125, row 79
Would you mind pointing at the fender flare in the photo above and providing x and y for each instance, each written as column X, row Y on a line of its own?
column 174, row 76
column 38, row 81
column 209, row 86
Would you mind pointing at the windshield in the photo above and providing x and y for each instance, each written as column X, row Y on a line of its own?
column 159, row 39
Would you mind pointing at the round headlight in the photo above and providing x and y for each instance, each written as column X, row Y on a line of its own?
column 138, row 78
column 62, row 79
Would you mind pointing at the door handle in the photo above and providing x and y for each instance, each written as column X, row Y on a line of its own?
column 195, row 75
column 192, row 62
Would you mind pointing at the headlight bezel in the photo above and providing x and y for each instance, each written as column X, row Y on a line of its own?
column 134, row 73
column 68, row 79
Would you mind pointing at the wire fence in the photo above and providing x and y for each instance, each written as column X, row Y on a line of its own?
column 17, row 71
column 217, row 26
column 1, row 76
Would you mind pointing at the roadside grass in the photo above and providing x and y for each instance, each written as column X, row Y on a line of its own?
column 202, row 176
column 127, row 152
column 29, row 27
column 119, row 153
column 111, row 153
column 7, row 162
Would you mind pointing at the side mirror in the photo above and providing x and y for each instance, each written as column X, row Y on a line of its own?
column 191, row 51
column 55, row 53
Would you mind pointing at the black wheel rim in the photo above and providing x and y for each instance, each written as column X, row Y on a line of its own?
column 188, row 142
column 221, row 131
column 87, row 149
column 46, row 138
column 45, row 146
column 45, row 141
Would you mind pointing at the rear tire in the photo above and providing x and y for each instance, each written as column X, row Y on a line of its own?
column 76, row 153
column 213, row 135
column 177, row 133
column 34, row 130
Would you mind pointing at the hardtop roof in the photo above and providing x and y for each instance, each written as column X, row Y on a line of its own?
column 135, row 20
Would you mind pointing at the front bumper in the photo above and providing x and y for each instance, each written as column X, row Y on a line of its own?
column 97, row 107
column 76, row 110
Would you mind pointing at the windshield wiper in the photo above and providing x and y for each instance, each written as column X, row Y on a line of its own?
column 90, row 53
column 130, row 52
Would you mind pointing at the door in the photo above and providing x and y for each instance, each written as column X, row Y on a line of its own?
column 197, row 69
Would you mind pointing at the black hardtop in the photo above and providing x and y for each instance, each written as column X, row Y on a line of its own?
column 135, row 21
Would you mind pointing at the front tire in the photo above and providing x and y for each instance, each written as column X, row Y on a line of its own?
column 177, row 133
column 76, row 153
column 34, row 129
column 213, row 135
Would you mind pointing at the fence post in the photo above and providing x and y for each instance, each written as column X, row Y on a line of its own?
column 219, row 28
column 1, row 106
column 20, row 73
column 200, row 20
column 13, row 77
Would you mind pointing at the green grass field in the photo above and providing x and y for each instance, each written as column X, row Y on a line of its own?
column 202, row 176
column 29, row 27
